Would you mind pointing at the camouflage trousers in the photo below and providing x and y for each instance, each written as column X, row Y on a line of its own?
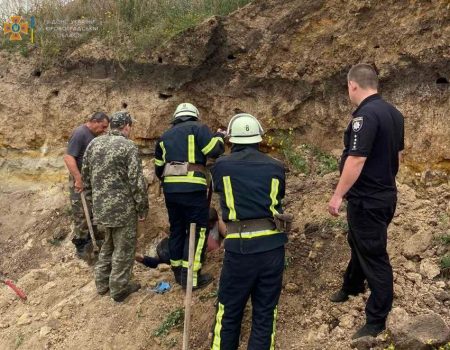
column 81, row 232
column 115, row 262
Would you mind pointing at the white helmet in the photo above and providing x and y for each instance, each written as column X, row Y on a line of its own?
column 186, row 110
column 245, row 129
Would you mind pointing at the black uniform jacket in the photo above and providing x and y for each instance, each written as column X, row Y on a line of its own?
column 187, row 141
column 251, row 186
column 376, row 132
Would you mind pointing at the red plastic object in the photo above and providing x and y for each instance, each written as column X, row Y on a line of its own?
column 17, row 290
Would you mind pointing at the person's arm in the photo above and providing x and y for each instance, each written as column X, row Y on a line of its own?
column 74, row 148
column 72, row 166
column 137, row 183
column 222, row 228
column 160, row 159
column 352, row 169
column 211, row 145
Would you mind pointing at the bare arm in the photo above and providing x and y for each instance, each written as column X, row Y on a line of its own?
column 222, row 227
column 352, row 169
column 72, row 166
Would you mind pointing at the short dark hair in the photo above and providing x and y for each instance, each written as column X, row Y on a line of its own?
column 98, row 117
column 364, row 75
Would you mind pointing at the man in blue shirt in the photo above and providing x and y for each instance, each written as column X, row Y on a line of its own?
column 78, row 142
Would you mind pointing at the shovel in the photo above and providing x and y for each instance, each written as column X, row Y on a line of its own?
column 11, row 285
column 89, row 223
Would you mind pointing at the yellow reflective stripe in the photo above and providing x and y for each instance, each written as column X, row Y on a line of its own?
column 218, row 327
column 175, row 263
column 185, row 264
column 161, row 144
column 211, row 144
column 252, row 234
column 198, row 251
column 229, row 199
column 272, row 342
column 191, row 149
column 159, row 162
column 185, row 179
column 273, row 195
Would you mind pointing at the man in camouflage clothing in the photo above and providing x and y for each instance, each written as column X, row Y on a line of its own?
column 116, row 188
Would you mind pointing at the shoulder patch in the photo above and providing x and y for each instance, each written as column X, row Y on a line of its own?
column 357, row 123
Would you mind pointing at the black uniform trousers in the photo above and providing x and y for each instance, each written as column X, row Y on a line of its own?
column 258, row 276
column 185, row 208
column 369, row 260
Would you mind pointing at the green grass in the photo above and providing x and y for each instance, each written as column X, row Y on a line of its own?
column 207, row 296
column 336, row 223
column 444, row 220
column 288, row 261
column 445, row 239
column 174, row 319
column 302, row 158
column 128, row 28
column 19, row 340
column 55, row 242
column 445, row 261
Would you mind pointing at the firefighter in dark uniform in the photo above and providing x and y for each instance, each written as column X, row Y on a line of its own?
column 180, row 159
column 373, row 143
column 251, row 186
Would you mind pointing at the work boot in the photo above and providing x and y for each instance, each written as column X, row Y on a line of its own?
column 130, row 288
column 339, row 297
column 177, row 274
column 342, row 296
column 102, row 291
column 82, row 249
column 203, row 280
column 369, row 330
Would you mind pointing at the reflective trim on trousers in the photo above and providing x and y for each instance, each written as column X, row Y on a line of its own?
column 218, row 327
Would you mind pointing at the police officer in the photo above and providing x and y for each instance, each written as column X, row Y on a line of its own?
column 180, row 159
column 373, row 143
column 251, row 186
column 115, row 186
column 78, row 142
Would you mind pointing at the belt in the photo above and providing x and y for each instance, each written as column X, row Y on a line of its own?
column 253, row 225
column 197, row 167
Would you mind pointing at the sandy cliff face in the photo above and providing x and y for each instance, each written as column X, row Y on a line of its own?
column 284, row 61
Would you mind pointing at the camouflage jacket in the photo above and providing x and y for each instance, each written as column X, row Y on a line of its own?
column 113, row 180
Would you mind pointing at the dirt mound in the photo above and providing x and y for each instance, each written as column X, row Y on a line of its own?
column 63, row 310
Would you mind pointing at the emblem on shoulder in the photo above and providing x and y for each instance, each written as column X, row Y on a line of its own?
column 357, row 124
